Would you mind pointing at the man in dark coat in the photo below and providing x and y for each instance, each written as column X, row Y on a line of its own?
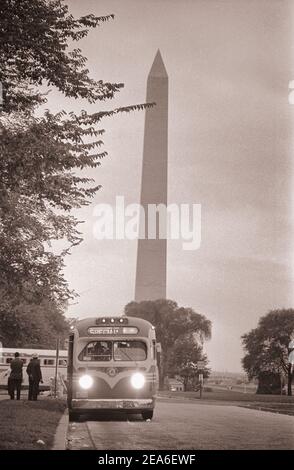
column 35, row 377
column 15, row 378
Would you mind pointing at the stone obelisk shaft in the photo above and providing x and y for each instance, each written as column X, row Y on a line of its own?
column 151, row 256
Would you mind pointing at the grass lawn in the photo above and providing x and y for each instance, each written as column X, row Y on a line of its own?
column 23, row 423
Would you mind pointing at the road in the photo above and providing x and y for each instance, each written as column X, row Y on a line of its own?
column 185, row 425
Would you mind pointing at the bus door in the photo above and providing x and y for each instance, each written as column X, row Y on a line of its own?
column 70, row 369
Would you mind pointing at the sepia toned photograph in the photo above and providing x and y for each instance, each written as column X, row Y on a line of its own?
column 146, row 230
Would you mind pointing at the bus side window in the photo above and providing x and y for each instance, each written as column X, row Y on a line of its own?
column 49, row 362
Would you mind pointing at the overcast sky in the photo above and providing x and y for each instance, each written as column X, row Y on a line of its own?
column 230, row 149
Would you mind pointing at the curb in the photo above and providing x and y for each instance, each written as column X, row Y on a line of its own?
column 60, row 441
column 268, row 409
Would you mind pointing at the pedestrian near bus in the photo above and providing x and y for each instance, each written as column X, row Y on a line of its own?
column 35, row 377
column 15, row 378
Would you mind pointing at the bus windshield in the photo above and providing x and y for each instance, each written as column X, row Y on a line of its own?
column 129, row 351
column 124, row 350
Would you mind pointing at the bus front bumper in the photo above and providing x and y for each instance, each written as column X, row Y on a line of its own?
column 113, row 404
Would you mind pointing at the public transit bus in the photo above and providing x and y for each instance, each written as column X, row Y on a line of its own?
column 47, row 358
column 112, row 366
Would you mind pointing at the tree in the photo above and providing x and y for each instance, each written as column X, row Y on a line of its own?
column 183, row 360
column 171, row 323
column 267, row 346
column 36, row 38
column 30, row 325
column 42, row 158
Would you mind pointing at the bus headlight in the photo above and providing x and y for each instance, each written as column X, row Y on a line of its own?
column 138, row 380
column 86, row 382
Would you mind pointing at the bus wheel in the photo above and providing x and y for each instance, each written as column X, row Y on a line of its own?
column 72, row 416
column 148, row 414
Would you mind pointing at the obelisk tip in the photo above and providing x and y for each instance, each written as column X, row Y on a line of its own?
column 158, row 68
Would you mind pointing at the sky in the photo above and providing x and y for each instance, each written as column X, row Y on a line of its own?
column 230, row 149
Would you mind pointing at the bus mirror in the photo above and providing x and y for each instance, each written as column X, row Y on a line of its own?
column 158, row 347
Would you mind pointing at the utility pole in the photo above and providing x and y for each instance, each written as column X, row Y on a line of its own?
column 56, row 367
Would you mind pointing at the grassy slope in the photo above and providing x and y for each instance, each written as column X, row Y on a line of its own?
column 273, row 403
column 22, row 423
column 230, row 396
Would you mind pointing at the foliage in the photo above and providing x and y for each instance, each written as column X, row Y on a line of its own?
column 269, row 383
column 267, row 345
column 182, row 361
column 31, row 325
column 172, row 324
column 43, row 159
column 36, row 38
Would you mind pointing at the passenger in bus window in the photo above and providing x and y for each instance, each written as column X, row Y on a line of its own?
column 15, row 378
column 35, row 377
column 103, row 351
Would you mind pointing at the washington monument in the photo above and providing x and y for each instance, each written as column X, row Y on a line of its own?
column 151, row 256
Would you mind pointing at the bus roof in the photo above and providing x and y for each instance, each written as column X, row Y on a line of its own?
column 142, row 325
column 30, row 352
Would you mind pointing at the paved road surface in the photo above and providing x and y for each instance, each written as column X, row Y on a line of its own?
column 186, row 426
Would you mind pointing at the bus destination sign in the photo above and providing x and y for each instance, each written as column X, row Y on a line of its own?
column 112, row 330
column 106, row 330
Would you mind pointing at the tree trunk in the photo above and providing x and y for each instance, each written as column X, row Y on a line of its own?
column 289, row 380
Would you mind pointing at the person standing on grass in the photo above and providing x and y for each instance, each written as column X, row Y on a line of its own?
column 15, row 378
column 35, row 377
